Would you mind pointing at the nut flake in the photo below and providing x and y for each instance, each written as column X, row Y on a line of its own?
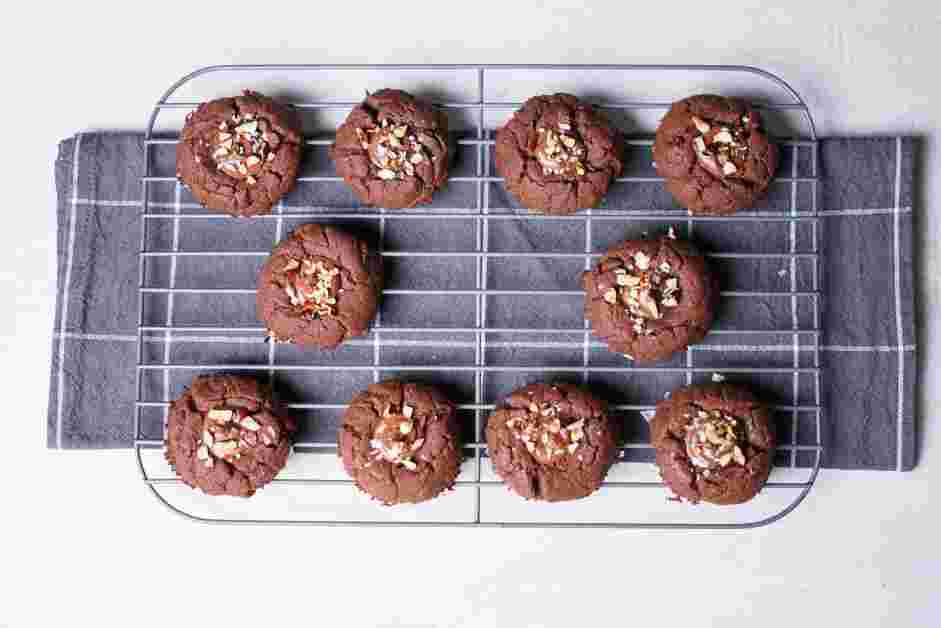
column 701, row 125
column 544, row 433
column 242, row 146
column 273, row 337
column 228, row 433
column 712, row 440
column 560, row 153
column 221, row 416
column 723, row 151
column 644, row 288
column 311, row 285
column 223, row 449
column 723, row 137
column 392, row 150
column 395, row 438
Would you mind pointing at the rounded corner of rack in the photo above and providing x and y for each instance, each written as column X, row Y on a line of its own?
column 186, row 78
column 787, row 510
column 176, row 510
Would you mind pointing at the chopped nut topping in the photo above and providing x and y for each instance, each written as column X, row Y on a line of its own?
column 701, row 125
column 723, row 137
column 312, row 286
column 712, row 439
column 221, row 416
column 393, row 150
column 644, row 289
column 395, row 438
column 722, row 150
column 227, row 433
column 545, row 433
column 560, row 153
column 242, row 146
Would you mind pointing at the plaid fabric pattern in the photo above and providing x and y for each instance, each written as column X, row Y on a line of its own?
column 867, row 355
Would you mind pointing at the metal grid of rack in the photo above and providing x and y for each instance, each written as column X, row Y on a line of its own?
column 485, row 335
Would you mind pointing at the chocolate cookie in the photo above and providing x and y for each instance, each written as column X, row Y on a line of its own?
column 393, row 150
column 400, row 442
column 319, row 287
column 650, row 298
column 225, row 437
column 714, row 443
column 552, row 442
column 714, row 154
column 239, row 155
column 558, row 154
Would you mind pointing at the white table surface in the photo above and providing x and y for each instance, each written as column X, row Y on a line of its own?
column 83, row 543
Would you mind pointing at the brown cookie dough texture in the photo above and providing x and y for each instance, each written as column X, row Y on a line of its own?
column 714, row 443
column 552, row 442
column 225, row 437
column 714, row 154
column 558, row 154
column 319, row 287
column 393, row 150
column 239, row 155
column 400, row 443
column 650, row 298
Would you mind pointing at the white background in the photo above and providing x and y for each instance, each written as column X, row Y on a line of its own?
column 83, row 543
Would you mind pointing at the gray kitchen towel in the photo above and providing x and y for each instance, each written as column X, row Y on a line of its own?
column 864, row 198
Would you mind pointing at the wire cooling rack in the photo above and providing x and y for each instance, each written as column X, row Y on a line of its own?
column 507, row 278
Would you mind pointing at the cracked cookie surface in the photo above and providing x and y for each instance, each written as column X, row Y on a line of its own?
column 648, row 299
column 714, row 154
column 558, row 154
column 392, row 150
column 319, row 287
column 714, row 443
column 226, row 437
column 400, row 442
column 239, row 155
column 552, row 442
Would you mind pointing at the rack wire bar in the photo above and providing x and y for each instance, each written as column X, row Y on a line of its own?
column 799, row 339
